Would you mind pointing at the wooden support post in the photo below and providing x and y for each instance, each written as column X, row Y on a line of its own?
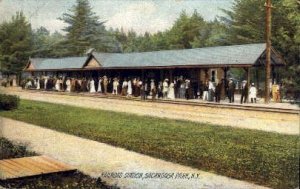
column 248, row 82
column 161, row 75
column 224, row 84
column 143, row 75
column 257, row 78
column 225, row 73
column 273, row 75
column 248, row 76
column 171, row 75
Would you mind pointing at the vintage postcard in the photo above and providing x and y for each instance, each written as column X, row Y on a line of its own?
column 149, row 94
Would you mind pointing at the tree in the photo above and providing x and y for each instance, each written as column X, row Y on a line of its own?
column 245, row 24
column 185, row 30
column 15, row 44
column 84, row 30
column 41, row 39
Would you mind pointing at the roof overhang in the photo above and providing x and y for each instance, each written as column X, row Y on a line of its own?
column 276, row 59
column 96, row 62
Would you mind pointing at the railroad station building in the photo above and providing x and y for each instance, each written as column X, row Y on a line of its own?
column 199, row 65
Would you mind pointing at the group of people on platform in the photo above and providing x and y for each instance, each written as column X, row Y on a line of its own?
column 180, row 87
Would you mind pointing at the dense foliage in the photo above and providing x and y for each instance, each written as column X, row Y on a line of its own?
column 9, row 102
column 9, row 150
column 261, row 157
column 188, row 31
column 15, row 44
column 246, row 24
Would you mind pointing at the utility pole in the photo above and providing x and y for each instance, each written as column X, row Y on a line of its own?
column 268, row 6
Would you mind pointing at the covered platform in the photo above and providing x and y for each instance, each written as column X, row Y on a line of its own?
column 198, row 65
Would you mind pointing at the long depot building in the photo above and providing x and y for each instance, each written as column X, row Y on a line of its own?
column 199, row 65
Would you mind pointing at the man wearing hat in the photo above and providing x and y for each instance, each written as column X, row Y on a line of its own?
column 244, row 92
column 231, row 88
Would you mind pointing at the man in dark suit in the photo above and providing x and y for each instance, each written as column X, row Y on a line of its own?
column 231, row 89
column 218, row 91
column 244, row 92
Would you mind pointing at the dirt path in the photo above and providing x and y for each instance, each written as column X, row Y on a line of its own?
column 94, row 159
column 266, row 121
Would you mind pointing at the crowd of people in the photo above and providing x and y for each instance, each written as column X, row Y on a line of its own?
column 179, row 87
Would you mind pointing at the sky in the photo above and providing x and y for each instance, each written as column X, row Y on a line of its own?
column 140, row 15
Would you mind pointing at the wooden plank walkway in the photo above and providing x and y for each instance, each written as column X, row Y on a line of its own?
column 30, row 166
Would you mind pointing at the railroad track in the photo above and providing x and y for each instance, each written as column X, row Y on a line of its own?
column 189, row 103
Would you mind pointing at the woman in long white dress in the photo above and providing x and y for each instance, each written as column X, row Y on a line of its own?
column 152, row 86
column 92, row 86
column 165, row 88
column 129, row 88
column 68, row 83
column 57, row 85
column 171, row 92
column 38, row 84
column 45, row 83
column 99, row 90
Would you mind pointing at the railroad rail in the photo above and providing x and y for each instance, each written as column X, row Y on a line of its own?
column 179, row 102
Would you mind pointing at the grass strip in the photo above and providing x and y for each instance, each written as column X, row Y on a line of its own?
column 264, row 158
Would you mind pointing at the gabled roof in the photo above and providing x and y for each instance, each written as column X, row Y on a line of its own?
column 208, row 56
column 221, row 56
column 56, row 63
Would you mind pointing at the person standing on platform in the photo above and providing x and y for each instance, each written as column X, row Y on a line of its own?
column 144, row 89
column 252, row 93
column 211, row 91
column 165, row 88
column 129, row 88
column 61, row 83
column 244, row 92
column 182, row 88
column 73, row 81
column 152, row 89
column 139, row 86
column 105, row 83
column 160, row 89
column 77, row 85
column 218, row 91
column 171, row 92
column 57, row 85
column 42, row 81
column 83, row 85
column 45, row 83
column 110, row 87
column 152, row 86
column 205, row 91
column 68, row 84
column 223, row 89
column 115, row 86
column 64, row 88
column 124, row 87
column 231, row 89
column 92, row 86
column 38, row 84
column 99, row 90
